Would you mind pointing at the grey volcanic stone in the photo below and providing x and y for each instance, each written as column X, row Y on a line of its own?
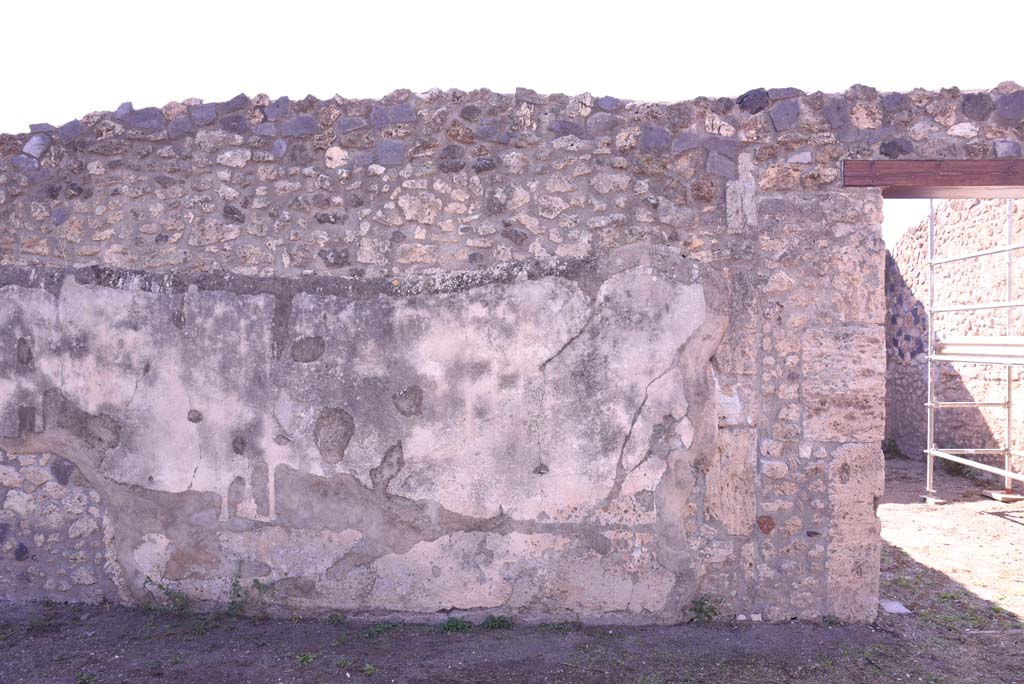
column 469, row 113
column 977, row 106
column 381, row 115
column 37, row 145
column 123, row 111
column 278, row 109
column 390, row 152
column 753, row 101
column 204, row 114
column 1011, row 106
column 730, row 147
column 837, row 112
column 279, row 148
column 180, row 127
column 493, row 130
column 240, row 101
column 1006, row 148
column 59, row 215
column 149, row 119
column 24, row 163
column 720, row 165
column 235, row 123
column 685, row 142
column 302, row 125
column 529, row 95
column 892, row 102
column 785, row 114
column 363, row 157
column 900, row 147
column 482, row 164
column 514, row 236
column 350, row 123
column 401, row 113
column 451, row 165
column 784, row 93
column 71, row 131
column 608, row 103
column 601, row 122
column 233, row 214
column 334, row 258
column 62, row 469
column 565, row 127
column 655, row 139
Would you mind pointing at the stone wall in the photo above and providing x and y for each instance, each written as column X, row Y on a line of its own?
column 547, row 356
column 961, row 227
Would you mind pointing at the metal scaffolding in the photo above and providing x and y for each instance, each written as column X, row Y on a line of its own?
column 1006, row 350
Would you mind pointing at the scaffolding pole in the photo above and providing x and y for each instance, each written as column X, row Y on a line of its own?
column 1007, row 351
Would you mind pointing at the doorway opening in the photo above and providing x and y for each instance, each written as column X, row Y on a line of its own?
column 955, row 327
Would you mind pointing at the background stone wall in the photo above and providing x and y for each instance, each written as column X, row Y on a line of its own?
column 549, row 356
column 961, row 227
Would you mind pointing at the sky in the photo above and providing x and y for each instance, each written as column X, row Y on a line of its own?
column 79, row 57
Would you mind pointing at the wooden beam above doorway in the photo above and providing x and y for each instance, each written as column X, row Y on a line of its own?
column 937, row 178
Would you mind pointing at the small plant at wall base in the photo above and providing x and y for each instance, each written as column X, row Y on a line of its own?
column 378, row 629
column 705, row 608
column 454, row 624
column 240, row 597
column 497, row 622
column 179, row 600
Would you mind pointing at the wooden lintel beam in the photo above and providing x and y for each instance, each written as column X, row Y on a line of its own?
column 945, row 178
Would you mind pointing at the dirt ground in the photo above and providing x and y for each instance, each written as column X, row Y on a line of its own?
column 959, row 567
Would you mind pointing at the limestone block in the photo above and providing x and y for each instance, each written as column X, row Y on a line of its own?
column 730, row 497
column 856, row 476
column 844, row 383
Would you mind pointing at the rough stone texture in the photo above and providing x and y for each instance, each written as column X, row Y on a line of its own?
column 961, row 227
column 552, row 356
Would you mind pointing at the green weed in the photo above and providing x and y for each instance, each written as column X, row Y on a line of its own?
column 705, row 608
column 454, row 624
column 179, row 600
column 378, row 629
column 497, row 622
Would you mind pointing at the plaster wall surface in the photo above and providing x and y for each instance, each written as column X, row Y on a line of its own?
column 547, row 356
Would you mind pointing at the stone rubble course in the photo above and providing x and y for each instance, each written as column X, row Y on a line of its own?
column 548, row 356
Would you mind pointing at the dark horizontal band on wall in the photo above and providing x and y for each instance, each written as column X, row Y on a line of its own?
column 942, row 178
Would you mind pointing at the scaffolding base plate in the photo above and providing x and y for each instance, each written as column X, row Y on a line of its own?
column 1003, row 495
column 932, row 499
